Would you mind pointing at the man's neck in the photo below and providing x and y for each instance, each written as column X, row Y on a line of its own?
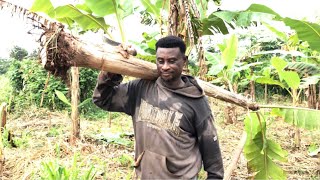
column 179, row 83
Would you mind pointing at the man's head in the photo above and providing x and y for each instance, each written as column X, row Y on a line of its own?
column 171, row 58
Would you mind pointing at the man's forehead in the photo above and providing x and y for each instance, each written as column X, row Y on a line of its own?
column 164, row 49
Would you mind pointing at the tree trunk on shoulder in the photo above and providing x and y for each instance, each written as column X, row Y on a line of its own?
column 71, row 51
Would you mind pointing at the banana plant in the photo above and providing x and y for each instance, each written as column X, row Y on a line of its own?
column 225, row 66
column 70, row 15
column 306, row 31
column 88, row 16
column 260, row 151
column 304, row 118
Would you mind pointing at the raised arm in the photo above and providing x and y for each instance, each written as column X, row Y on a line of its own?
column 109, row 94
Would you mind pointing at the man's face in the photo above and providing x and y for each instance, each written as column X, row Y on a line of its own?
column 170, row 62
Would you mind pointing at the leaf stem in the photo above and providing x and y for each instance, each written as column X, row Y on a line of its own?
column 286, row 107
column 119, row 20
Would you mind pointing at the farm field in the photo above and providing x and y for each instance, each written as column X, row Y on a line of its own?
column 41, row 138
column 258, row 64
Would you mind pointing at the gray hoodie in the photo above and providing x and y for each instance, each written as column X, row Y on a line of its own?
column 174, row 131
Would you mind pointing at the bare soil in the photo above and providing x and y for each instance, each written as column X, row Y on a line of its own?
column 44, row 136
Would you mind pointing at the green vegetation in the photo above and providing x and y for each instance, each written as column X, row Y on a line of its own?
column 266, row 64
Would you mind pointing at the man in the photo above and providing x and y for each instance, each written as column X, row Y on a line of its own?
column 172, row 120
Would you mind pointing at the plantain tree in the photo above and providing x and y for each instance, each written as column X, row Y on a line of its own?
column 61, row 50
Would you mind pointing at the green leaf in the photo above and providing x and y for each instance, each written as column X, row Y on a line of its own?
column 66, row 20
column 154, row 7
column 42, row 6
column 306, row 31
column 89, row 22
column 303, row 68
column 222, row 46
column 246, row 18
column 62, row 97
column 101, row 7
column 260, row 151
column 230, row 53
column 263, row 9
column 85, row 21
column 215, row 64
column 67, row 11
column 291, row 78
column 282, row 35
column 245, row 67
column 303, row 118
column 84, row 7
column 266, row 72
column 213, row 24
column 313, row 149
column 270, row 81
column 276, row 152
column 278, row 63
column 227, row 16
column 88, row 100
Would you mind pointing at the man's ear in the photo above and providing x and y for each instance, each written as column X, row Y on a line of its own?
column 186, row 60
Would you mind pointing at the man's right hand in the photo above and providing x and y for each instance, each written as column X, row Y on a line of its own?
column 105, row 75
column 126, row 50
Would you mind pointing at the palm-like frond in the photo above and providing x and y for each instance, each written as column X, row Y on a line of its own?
column 30, row 17
column 303, row 68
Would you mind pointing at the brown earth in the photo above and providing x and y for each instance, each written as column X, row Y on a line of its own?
column 42, row 136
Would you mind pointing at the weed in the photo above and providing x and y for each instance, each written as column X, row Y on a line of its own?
column 53, row 132
column 11, row 140
column 125, row 160
column 52, row 170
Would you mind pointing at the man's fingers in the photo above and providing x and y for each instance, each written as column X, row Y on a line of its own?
column 124, row 53
column 129, row 49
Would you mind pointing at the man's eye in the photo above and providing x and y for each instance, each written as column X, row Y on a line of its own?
column 160, row 61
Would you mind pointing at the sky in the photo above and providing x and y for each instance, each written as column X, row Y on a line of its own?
column 14, row 30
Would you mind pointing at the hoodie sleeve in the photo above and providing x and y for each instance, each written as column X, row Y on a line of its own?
column 110, row 95
column 209, row 149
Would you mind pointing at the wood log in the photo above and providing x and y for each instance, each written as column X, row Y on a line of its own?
column 72, row 51
column 236, row 156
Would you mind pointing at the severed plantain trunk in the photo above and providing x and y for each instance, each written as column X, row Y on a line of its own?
column 71, row 51
column 61, row 50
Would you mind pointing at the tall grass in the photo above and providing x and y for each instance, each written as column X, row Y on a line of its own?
column 5, row 89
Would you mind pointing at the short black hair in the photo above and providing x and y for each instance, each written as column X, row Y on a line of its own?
column 171, row 42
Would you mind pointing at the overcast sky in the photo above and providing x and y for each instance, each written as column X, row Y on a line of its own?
column 14, row 30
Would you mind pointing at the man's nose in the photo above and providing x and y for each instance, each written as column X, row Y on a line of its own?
column 165, row 66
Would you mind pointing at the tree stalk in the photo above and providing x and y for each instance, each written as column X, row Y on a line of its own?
column 236, row 156
column 74, row 106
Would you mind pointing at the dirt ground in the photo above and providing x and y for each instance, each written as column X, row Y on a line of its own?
column 44, row 138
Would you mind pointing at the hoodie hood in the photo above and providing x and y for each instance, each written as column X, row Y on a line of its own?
column 190, row 89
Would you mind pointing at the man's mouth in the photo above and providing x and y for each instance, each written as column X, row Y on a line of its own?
column 166, row 74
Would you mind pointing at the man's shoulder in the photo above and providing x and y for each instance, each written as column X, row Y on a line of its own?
column 139, row 81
